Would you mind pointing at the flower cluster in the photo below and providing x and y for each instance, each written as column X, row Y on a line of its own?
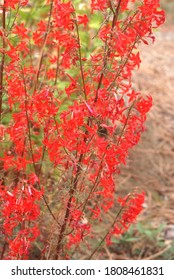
column 20, row 213
column 69, row 115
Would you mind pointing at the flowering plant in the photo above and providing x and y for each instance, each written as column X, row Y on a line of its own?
column 68, row 117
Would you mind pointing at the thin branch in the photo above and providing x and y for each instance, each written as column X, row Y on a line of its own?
column 43, row 47
column 3, row 56
column 95, row 183
column 3, row 250
column 126, row 122
column 57, row 67
column 31, row 149
column 108, row 231
column 106, row 234
column 115, row 17
column 15, row 17
column 80, row 58
column 122, row 67
column 68, row 208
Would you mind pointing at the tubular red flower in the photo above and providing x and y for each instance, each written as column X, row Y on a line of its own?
column 69, row 117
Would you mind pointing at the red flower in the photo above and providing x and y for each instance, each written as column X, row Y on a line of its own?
column 83, row 20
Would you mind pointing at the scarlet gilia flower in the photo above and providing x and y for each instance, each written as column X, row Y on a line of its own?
column 131, row 206
column 68, row 118
column 19, row 212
